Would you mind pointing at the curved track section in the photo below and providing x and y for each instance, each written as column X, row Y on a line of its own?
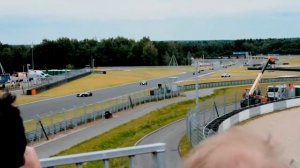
column 170, row 135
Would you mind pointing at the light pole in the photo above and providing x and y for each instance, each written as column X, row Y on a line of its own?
column 28, row 65
column 27, row 75
column 32, row 56
column 197, row 91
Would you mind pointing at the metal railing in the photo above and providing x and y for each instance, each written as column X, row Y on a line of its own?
column 207, row 111
column 157, row 150
column 43, row 84
column 239, row 82
column 68, row 119
column 202, row 122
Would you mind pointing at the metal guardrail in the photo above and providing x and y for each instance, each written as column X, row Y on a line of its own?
column 213, row 126
column 200, row 126
column 88, row 113
column 196, row 119
column 239, row 82
column 157, row 150
column 44, row 84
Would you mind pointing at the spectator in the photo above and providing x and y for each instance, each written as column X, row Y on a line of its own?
column 235, row 149
column 14, row 152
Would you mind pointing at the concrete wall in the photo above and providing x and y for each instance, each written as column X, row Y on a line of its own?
column 255, row 111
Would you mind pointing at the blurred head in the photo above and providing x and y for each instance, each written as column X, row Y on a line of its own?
column 12, row 132
column 234, row 149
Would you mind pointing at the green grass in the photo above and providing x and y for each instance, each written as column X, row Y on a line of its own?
column 184, row 147
column 129, row 133
column 239, row 73
column 293, row 61
column 79, row 111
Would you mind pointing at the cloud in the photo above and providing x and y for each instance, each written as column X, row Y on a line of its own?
column 142, row 9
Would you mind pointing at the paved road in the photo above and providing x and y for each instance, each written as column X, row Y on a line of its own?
column 29, row 111
column 170, row 135
column 74, row 137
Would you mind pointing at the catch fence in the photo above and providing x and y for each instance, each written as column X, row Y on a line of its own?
column 53, row 123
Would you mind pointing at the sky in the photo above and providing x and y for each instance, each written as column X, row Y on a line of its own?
column 31, row 21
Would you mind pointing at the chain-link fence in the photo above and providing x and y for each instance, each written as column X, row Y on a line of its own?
column 207, row 111
column 52, row 123
column 52, row 80
column 211, row 112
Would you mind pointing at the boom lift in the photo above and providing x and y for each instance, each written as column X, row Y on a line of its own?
column 253, row 96
column 4, row 77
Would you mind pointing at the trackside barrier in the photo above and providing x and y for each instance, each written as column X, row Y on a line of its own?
column 53, row 81
column 228, row 120
column 246, row 114
column 196, row 119
column 157, row 150
column 87, row 114
column 239, row 82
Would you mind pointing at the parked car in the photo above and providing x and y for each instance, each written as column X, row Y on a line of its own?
column 143, row 83
column 225, row 75
column 84, row 94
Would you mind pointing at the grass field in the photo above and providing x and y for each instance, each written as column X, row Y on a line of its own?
column 119, row 77
column 129, row 133
column 239, row 73
column 126, row 135
column 96, row 81
column 293, row 61
column 99, row 81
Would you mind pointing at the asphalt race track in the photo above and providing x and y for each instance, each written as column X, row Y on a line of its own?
column 42, row 108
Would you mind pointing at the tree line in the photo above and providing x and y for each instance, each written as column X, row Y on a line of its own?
column 72, row 53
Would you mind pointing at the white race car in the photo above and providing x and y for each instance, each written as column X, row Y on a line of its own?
column 84, row 94
column 143, row 83
column 225, row 75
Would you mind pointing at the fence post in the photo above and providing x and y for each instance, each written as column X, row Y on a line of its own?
column 75, row 119
column 130, row 101
column 37, row 125
column 235, row 101
column 52, row 124
column 94, row 112
column 224, row 103
column 85, row 112
column 159, row 159
column 65, row 121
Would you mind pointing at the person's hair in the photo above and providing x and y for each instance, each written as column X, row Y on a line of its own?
column 234, row 148
column 13, row 139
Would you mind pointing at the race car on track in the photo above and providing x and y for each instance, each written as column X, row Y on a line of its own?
column 84, row 94
column 143, row 83
column 225, row 75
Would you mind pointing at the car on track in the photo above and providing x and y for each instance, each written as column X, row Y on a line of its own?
column 225, row 75
column 143, row 83
column 84, row 94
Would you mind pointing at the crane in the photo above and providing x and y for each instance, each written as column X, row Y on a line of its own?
column 253, row 95
column 4, row 77
column 2, row 69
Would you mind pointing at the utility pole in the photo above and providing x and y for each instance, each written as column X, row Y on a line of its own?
column 32, row 56
column 197, row 80
column 188, row 58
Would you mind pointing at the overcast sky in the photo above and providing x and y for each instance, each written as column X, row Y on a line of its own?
column 27, row 21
